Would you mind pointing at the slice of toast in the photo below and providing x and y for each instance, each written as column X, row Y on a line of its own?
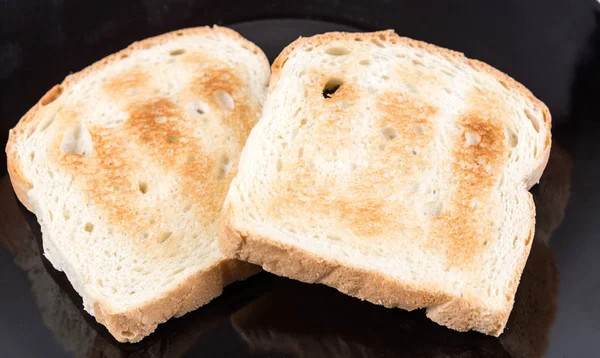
column 395, row 171
column 126, row 165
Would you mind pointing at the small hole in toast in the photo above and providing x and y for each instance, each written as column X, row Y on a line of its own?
column 51, row 95
column 115, row 122
column 224, row 166
column 279, row 165
column 225, row 99
column 337, row 51
column 172, row 138
column 511, row 137
column 377, row 42
column 297, row 112
column 534, row 121
column 331, row 87
column 77, row 140
column 365, row 62
column 89, row 227
column 433, row 209
column 412, row 88
column 177, row 52
column 389, row 133
column 177, row 271
column 162, row 237
column 472, row 138
column 31, row 155
column 200, row 108
column 30, row 130
column 412, row 150
column 100, row 283
column 419, row 129
column 417, row 63
column 128, row 334
column 143, row 186
column 47, row 122
column 448, row 73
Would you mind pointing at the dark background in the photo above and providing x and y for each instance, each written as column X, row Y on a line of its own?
column 551, row 46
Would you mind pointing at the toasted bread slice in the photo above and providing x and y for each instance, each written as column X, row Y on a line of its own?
column 395, row 171
column 126, row 165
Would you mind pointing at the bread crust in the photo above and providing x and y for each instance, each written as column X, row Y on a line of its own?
column 200, row 287
column 461, row 313
column 197, row 290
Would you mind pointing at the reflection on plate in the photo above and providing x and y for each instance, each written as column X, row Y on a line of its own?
column 278, row 316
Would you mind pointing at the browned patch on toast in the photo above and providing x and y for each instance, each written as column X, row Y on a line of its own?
column 479, row 154
column 160, row 127
column 108, row 175
column 103, row 176
column 406, row 131
column 199, row 59
column 126, row 83
column 416, row 76
column 350, row 198
column 176, row 149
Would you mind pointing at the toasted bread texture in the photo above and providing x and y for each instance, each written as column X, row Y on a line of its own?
column 395, row 171
column 126, row 165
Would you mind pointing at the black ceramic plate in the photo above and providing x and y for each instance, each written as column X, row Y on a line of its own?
column 553, row 47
